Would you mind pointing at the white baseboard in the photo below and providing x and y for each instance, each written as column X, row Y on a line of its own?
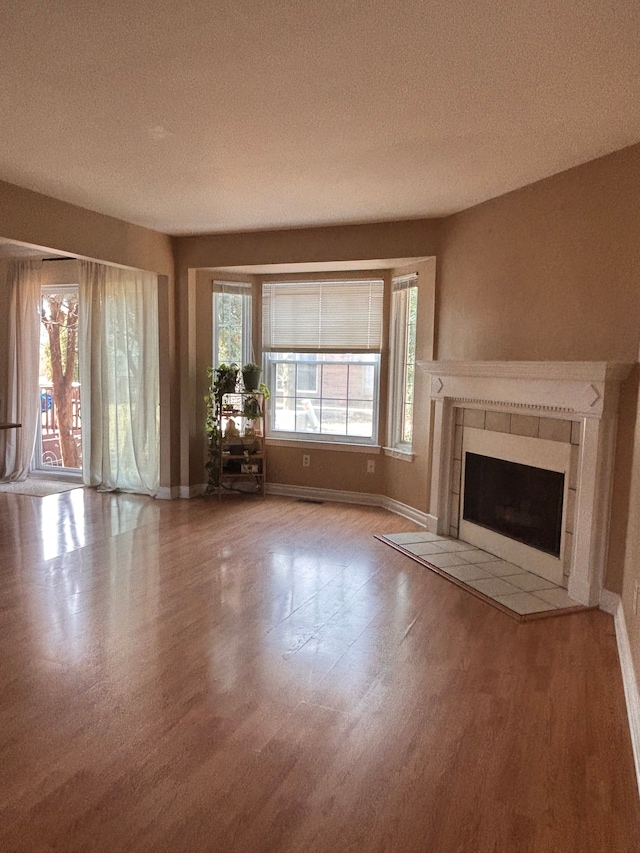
column 581, row 592
column 432, row 523
column 187, row 492
column 628, row 673
column 358, row 498
column 313, row 494
column 334, row 495
column 168, row 493
column 409, row 512
column 609, row 602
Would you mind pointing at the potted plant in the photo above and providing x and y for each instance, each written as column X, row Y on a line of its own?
column 251, row 376
column 226, row 378
column 252, row 409
column 251, row 412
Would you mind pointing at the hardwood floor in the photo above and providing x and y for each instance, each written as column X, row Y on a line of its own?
column 266, row 677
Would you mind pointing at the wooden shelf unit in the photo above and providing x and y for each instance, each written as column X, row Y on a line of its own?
column 242, row 449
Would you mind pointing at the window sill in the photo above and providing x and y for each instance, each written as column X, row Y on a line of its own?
column 395, row 453
column 301, row 444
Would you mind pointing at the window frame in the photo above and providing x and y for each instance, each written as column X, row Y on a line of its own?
column 37, row 463
column 308, row 318
column 271, row 359
column 403, row 289
column 236, row 288
column 309, row 390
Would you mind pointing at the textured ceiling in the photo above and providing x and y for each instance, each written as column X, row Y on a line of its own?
column 197, row 116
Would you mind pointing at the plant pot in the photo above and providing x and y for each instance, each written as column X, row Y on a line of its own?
column 251, row 379
column 227, row 387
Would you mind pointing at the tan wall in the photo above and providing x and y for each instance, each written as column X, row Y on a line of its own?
column 408, row 482
column 4, row 355
column 46, row 223
column 552, row 272
column 408, row 239
column 620, row 499
column 39, row 220
column 631, row 574
column 328, row 469
column 546, row 272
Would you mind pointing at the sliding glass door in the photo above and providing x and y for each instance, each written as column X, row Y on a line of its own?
column 59, row 444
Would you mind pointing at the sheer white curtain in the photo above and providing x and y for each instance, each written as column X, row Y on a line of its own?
column 118, row 349
column 22, row 404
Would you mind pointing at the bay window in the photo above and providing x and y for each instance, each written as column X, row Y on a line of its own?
column 321, row 343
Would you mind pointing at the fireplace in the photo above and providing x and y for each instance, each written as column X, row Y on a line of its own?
column 521, row 502
column 513, row 494
column 522, row 463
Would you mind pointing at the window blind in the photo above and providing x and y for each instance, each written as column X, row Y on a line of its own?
column 315, row 316
column 404, row 282
column 240, row 287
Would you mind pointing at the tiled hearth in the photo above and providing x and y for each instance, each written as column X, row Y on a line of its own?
column 503, row 584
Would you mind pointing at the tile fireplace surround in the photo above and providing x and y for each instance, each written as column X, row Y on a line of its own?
column 585, row 393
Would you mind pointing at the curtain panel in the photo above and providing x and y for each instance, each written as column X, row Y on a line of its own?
column 23, row 354
column 119, row 374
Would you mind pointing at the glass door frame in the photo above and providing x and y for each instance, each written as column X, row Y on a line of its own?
column 38, row 466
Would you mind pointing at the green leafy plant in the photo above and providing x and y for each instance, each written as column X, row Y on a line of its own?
column 213, row 430
column 226, row 378
column 222, row 380
column 252, row 409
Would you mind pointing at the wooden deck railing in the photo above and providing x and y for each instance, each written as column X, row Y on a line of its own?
column 48, row 410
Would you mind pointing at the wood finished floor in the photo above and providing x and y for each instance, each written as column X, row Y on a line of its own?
column 266, row 677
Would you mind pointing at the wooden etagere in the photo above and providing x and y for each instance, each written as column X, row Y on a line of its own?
column 242, row 448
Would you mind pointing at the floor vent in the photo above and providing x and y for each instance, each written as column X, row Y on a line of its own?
column 309, row 501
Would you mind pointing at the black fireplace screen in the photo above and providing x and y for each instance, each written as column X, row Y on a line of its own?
column 518, row 501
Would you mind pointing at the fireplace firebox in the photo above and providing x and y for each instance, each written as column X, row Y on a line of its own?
column 519, row 501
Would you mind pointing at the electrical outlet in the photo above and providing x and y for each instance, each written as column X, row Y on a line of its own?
column 306, row 460
column 371, row 466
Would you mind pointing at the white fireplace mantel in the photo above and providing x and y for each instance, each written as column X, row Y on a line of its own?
column 586, row 392
column 559, row 387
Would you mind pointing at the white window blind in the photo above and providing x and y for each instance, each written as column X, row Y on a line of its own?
column 241, row 287
column 317, row 316
column 404, row 282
